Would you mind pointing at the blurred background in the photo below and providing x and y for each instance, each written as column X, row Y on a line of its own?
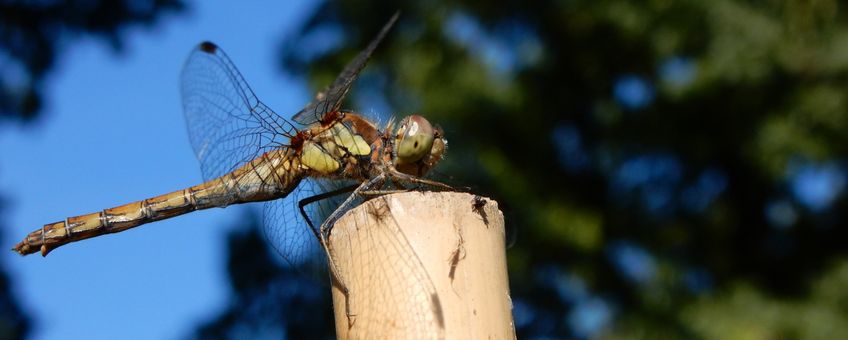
column 667, row 169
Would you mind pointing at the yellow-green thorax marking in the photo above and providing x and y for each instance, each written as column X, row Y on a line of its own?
column 322, row 152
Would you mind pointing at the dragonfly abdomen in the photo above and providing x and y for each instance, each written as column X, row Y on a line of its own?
column 107, row 221
column 262, row 179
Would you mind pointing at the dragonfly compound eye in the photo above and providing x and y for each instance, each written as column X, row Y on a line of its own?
column 414, row 140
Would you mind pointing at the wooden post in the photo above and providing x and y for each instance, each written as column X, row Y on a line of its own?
column 422, row 265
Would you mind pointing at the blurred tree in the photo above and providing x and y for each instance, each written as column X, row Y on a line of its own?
column 14, row 323
column 268, row 298
column 662, row 160
column 34, row 34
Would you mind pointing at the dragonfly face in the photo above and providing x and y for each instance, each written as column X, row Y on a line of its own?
column 418, row 146
column 414, row 140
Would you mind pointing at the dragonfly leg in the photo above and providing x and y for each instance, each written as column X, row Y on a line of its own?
column 334, row 271
column 399, row 177
column 371, row 193
column 324, row 237
column 315, row 198
column 327, row 226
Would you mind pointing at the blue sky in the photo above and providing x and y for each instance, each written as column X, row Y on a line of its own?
column 113, row 133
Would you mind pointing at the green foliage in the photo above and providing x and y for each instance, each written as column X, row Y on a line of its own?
column 640, row 149
column 744, row 312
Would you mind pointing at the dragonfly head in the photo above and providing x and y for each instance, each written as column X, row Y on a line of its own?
column 418, row 146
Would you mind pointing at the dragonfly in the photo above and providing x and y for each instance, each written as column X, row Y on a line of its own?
column 249, row 153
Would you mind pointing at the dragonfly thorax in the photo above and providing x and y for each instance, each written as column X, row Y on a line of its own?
column 346, row 148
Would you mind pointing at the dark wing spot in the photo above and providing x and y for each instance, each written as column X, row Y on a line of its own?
column 208, row 47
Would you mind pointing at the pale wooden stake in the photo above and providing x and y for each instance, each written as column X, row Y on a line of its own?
column 394, row 252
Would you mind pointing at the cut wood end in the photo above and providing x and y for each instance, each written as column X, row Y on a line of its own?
column 444, row 251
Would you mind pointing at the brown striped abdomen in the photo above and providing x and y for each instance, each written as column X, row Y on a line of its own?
column 270, row 176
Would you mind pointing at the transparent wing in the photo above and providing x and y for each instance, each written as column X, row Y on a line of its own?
column 286, row 227
column 407, row 282
column 227, row 124
column 291, row 235
column 330, row 99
